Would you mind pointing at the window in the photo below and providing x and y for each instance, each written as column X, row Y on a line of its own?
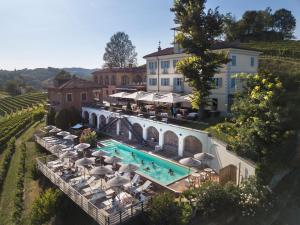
column 165, row 81
column 175, row 61
column 125, row 80
column 113, row 80
column 232, row 83
column 106, row 80
column 69, row 97
column 165, row 65
column 217, row 82
column 100, row 80
column 152, row 81
column 252, row 63
column 233, row 60
column 107, row 93
column 83, row 96
column 152, row 67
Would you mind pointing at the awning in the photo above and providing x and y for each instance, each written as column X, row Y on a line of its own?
column 119, row 95
column 171, row 98
column 136, row 95
column 151, row 97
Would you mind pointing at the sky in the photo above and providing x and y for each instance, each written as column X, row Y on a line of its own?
column 73, row 33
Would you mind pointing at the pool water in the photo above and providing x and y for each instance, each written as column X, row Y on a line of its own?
column 151, row 166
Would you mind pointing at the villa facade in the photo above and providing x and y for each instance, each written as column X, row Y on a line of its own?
column 163, row 77
column 129, row 79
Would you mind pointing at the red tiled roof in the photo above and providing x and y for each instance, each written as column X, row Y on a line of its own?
column 76, row 82
column 166, row 51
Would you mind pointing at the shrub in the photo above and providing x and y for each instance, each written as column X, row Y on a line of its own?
column 10, row 150
column 74, row 116
column 38, row 115
column 164, row 210
column 62, row 119
column 45, row 207
column 89, row 136
column 50, row 120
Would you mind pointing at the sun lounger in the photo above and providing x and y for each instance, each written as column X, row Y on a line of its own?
column 143, row 187
column 97, row 196
column 76, row 180
column 93, row 185
column 83, row 183
column 133, row 182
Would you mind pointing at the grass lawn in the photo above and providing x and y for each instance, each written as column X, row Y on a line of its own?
column 9, row 187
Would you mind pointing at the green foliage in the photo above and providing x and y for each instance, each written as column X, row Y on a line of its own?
column 74, row 116
column 6, row 158
column 89, row 136
column 45, row 207
column 62, row 119
column 164, row 210
column 12, row 87
column 260, row 25
column 38, row 115
column 119, row 52
column 50, row 119
column 198, row 29
column 19, row 201
column 63, row 75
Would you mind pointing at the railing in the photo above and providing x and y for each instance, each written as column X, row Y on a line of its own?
column 99, row 215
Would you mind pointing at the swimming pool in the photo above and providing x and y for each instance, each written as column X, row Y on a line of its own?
column 151, row 166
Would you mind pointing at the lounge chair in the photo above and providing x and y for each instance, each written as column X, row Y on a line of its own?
column 83, row 183
column 143, row 187
column 133, row 182
column 94, row 185
column 97, row 196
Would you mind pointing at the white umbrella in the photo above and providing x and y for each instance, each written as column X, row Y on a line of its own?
column 117, row 181
column 70, row 137
column 101, row 170
column 119, row 95
column 99, row 153
column 84, row 162
column 187, row 97
column 128, row 168
column 151, row 97
column 171, row 98
column 55, row 130
column 203, row 156
column 82, row 146
column 49, row 127
column 112, row 160
column 136, row 95
column 190, row 162
column 63, row 133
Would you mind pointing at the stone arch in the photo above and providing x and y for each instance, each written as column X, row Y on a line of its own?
column 102, row 120
column 94, row 120
column 191, row 145
column 170, row 141
column 152, row 135
column 138, row 129
column 86, row 117
column 112, row 129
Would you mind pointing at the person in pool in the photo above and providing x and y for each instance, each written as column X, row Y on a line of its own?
column 153, row 165
column 133, row 155
column 142, row 162
column 147, row 168
column 171, row 172
column 116, row 151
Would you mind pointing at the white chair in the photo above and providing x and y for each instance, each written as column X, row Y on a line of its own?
column 83, row 183
column 133, row 182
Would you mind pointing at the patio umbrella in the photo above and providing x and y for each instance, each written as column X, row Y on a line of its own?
column 190, row 162
column 128, row 168
column 101, row 171
column 171, row 98
column 151, row 97
column 136, row 95
column 63, row 133
column 84, row 162
column 203, row 156
column 99, row 153
column 117, row 181
column 70, row 137
column 119, row 95
column 82, row 146
column 49, row 127
column 55, row 130
column 112, row 159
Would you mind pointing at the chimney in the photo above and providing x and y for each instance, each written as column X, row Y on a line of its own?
column 159, row 48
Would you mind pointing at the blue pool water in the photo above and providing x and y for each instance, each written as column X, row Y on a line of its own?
column 159, row 171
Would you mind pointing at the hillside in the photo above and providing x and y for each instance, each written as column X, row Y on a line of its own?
column 278, row 57
column 40, row 76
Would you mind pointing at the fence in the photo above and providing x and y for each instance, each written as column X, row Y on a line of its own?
column 99, row 215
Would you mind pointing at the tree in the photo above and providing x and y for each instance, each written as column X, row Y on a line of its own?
column 12, row 87
column 119, row 52
column 89, row 136
column 285, row 23
column 74, row 116
column 62, row 119
column 50, row 120
column 197, row 32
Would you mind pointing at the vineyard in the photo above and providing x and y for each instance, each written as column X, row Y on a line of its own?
column 289, row 49
column 12, row 104
column 3, row 94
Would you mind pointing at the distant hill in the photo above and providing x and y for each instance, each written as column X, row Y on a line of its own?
column 40, row 76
